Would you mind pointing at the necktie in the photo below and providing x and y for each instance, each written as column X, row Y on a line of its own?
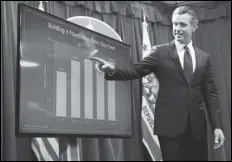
column 188, row 65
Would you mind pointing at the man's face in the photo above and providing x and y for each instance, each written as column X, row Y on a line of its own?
column 183, row 27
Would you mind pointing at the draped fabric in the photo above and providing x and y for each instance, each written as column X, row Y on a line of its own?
column 12, row 148
column 213, row 36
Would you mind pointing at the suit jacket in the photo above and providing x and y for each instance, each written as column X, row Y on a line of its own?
column 178, row 101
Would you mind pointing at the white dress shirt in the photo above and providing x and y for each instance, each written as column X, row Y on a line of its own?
column 181, row 50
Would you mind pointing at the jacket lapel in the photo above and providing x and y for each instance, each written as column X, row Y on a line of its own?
column 175, row 58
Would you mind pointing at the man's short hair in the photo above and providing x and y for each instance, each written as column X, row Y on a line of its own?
column 186, row 9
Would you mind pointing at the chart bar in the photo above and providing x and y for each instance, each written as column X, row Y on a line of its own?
column 111, row 101
column 100, row 96
column 61, row 88
column 75, row 89
column 88, row 79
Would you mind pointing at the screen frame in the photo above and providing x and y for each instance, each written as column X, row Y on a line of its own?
column 19, row 133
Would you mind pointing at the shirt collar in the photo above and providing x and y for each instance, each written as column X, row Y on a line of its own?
column 180, row 46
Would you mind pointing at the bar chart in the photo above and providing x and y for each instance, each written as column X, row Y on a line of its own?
column 64, row 94
column 98, row 101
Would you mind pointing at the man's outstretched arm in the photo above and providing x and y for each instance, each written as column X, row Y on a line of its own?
column 136, row 71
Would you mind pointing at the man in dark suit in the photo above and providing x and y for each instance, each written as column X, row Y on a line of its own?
column 186, row 79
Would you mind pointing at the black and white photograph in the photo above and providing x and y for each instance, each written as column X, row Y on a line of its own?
column 116, row 80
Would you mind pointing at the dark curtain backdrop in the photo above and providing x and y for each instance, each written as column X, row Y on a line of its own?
column 213, row 36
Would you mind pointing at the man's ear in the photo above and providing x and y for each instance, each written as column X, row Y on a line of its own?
column 195, row 25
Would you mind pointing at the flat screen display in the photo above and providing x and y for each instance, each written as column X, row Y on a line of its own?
column 59, row 90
